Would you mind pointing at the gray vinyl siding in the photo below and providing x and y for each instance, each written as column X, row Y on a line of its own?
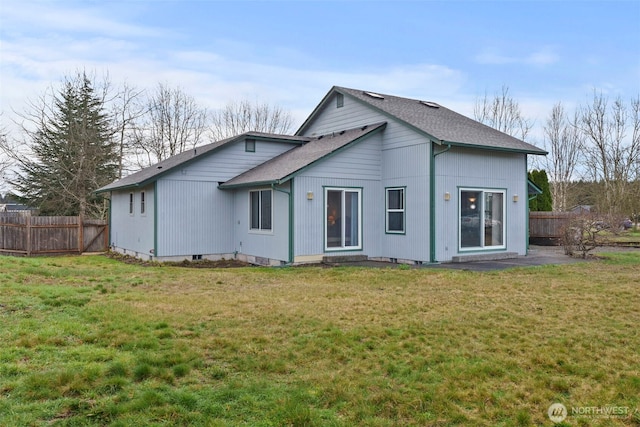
column 194, row 218
column 360, row 161
column 403, row 161
column 467, row 168
column 354, row 114
column 272, row 244
column 310, row 215
column 359, row 166
column 408, row 167
column 228, row 161
column 132, row 232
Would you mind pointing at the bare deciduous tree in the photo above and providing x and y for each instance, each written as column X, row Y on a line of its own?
column 127, row 108
column 173, row 123
column 5, row 159
column 564, row 141
column 611, row 154
column 502, row 112
column 240, row 117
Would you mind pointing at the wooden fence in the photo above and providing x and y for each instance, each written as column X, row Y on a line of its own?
column 40, row 235
column 545, row 228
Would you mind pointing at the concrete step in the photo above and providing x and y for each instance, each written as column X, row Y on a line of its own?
column 484, row 257
column 344, row 258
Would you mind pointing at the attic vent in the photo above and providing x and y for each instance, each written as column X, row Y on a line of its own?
column 374, row 95
column 430, row 104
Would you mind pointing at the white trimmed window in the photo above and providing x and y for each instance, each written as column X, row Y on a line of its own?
column 131, row 200
column 260, row 210
column 395, row 213
column 142, row 203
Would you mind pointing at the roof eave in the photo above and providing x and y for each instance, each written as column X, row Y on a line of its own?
column 494, row 148
column 250, row 184
column 298, row 140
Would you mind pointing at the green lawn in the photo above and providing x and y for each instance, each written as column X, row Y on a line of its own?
column 94, row 341
column 627, row 237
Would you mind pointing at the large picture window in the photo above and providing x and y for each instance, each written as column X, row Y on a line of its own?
column 343, row 218
column 395, row 210
column 482, row 219
column 260, row 210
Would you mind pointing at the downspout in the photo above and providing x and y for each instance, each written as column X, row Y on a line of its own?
column 526, row 210
column 527, row 214
column 290, row 195
column 110, row 220
column 155, row 219
column 432, row 199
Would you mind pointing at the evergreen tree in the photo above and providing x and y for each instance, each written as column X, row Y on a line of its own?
column 73, row 153
column 543, row 202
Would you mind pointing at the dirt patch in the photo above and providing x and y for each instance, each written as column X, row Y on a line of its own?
column 204, row 263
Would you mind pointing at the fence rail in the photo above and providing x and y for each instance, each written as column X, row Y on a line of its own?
column 38, row 235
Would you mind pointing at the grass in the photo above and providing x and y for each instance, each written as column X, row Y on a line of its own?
column 630, row 237
column 93, row 341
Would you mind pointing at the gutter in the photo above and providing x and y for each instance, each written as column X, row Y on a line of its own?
column 432, row 199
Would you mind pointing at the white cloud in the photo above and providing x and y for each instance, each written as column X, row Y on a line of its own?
column 47, row 17
column 541, row 57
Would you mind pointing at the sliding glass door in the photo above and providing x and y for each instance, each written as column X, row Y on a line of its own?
column 343, row 219
column 482, row 224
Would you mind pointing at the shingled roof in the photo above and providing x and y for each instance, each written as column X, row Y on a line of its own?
column 283, row 167
column 151, row 173
column 442, row 125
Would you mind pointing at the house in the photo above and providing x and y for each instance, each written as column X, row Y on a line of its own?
column 582, row 209
column 17, row 208
column 367, row 175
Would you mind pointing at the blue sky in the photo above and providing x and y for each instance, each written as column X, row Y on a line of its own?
column 290, row 53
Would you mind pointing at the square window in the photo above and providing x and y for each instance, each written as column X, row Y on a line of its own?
column 250, row 145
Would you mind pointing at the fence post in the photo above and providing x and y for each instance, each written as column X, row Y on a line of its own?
column 28, row 242
column 80, row 234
